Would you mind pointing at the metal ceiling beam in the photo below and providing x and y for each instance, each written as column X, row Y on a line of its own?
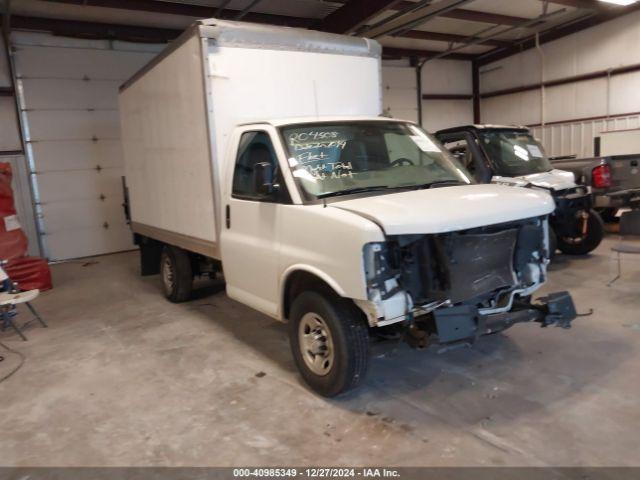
column 354, row 14
column 449, row 37
column 75, row 28
column 483, row 17
column 495, row 32
column 393, row 52
column 555, row 33
column 417, row 17
column 189, row 10
column 469, row 15
column 246, row 10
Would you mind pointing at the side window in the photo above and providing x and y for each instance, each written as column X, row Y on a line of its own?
column 460, row 149
column 254, row 148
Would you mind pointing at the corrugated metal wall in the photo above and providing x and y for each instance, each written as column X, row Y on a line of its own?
column 578, row 138
column 609, row 45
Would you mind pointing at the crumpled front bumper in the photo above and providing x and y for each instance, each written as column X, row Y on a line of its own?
column 466, row 322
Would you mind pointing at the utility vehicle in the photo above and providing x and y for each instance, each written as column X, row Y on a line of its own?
column 260, row 152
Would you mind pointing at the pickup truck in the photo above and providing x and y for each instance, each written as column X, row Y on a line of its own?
column 510, row 155
column 260, row 152
column 614, row 180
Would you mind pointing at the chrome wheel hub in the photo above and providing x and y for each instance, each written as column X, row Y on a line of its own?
column 167, row 274
column 316, row 344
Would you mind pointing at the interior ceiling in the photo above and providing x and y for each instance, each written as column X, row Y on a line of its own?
column 481, row 30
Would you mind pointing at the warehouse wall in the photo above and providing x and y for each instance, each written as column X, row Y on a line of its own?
column 69, row 109
column 575, row 112
column 438, row 77
column 446, row 77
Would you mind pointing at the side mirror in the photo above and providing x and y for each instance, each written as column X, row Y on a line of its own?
column 263, row 179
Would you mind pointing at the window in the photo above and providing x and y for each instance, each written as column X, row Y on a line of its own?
column 515, row 153
column 254, row 148
column 459, row 148
column 329, row 159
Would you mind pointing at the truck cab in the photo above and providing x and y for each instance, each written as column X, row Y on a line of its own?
column 510, row 155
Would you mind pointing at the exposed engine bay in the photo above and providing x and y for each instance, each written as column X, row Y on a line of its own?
column 451, row 284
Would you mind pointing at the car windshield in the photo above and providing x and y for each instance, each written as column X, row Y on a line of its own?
column 514, row 153
column 330, row 159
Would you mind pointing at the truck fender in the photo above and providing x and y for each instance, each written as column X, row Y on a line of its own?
column 324, row 277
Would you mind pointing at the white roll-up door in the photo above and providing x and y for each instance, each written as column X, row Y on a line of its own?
column 400, row 92
column 68, row 93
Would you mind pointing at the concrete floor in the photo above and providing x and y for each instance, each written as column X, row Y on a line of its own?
column 123, row 377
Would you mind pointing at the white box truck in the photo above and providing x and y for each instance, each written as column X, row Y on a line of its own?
column 260, row 151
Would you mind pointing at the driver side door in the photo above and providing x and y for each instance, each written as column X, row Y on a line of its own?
column 250, row 231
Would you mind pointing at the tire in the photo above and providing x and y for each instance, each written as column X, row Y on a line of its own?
column 595, row 232
column 177, row 274
column 342, row 364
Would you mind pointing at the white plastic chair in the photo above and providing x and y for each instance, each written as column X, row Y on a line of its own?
column 629, row 227
column 9, row 299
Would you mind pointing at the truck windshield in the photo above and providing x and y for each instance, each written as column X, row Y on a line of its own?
column 514, row 153
column 330, row 159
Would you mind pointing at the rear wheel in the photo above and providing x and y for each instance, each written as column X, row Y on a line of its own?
column 587, row 243
column 329, row 342
column 177, row 274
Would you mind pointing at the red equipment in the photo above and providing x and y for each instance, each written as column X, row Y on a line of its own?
column 29, row 272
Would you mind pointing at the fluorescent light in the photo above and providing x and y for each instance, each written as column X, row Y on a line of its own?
column 623, row 3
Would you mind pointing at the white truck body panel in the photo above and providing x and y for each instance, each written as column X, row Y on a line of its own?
column 622, row 142
column 167, row 160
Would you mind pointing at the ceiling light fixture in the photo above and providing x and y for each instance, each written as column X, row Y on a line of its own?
column 623, row 3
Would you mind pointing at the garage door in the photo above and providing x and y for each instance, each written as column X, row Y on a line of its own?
column 68, row 92
column 400, row 92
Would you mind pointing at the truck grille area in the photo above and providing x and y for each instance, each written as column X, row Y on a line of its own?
column 468, row 266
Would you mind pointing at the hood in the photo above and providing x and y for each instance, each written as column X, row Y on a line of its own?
column 553, row 179
column 447, row 209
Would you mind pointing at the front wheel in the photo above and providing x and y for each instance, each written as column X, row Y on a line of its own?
column 329, row 342
column 586, row 243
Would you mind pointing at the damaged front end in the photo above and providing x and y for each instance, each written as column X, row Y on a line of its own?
column 457, row 286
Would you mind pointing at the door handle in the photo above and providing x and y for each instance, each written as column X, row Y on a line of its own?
column 228, row 216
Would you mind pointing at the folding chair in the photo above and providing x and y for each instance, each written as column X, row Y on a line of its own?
column 10, row 297
column 629, row 227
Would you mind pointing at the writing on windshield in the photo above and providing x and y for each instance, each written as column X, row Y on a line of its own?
column 332, row 158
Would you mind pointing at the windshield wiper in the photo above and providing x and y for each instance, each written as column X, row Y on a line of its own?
column 440, row 183
column 349, row 191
